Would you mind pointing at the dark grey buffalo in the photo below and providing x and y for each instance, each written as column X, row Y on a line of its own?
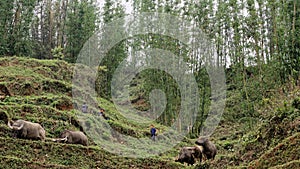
column 73, row 137
column 27, row 130
column 189, row 155
column 209, row 149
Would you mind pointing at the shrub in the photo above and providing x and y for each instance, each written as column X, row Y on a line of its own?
column 296, row 103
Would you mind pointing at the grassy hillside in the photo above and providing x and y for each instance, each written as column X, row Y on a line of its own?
column 41, row 91
column 270, row 139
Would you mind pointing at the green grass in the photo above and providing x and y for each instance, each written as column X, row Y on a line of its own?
column 40, row 91
column 263, row 136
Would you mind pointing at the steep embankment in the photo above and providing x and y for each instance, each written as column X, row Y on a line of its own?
column 270, row 139
column 40, row 91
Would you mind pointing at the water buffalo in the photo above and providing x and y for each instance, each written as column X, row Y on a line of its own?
column 73, row 137
column 28, row 130
column 209, row 149
column 197, row 151
column 189, row 154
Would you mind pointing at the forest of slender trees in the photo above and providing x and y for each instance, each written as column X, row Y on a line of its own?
column 260, row 33
column 246, row 32
column 42, row 28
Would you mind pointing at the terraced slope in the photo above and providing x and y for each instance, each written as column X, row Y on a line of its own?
column 273, row 141
column 40, row 91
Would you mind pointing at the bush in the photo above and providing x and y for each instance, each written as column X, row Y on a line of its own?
column 296, row 103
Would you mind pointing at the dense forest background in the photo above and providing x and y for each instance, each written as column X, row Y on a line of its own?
column 257, row 41
column 246, row 32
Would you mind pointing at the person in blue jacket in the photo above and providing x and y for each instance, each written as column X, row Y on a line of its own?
column 153, row 132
